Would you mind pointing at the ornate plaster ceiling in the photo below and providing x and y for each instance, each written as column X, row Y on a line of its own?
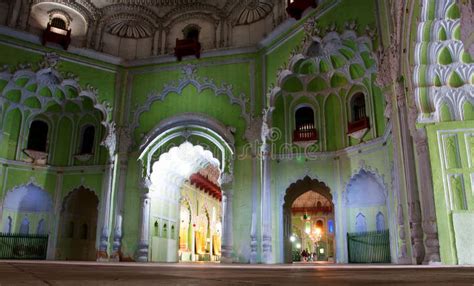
column 142, row 28
column 240, row 12
column 310, row 200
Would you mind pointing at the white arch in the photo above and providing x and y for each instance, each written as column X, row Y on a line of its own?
column 178, row 164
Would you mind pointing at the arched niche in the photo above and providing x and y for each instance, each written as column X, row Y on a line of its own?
column 185, row 230
column 294, row 191
column 366, row 205
column 78, row 225
column 25, row 207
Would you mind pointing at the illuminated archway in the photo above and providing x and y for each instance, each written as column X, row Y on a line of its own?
column 293, row 193
column 184, row 168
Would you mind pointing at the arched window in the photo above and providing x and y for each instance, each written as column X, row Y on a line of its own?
column 38, row 136
column 358, row 107
column 304, row 118
column 25, row 226
column 361, row 223
column 7, row 227
column 191, row 32
column 320, row 224
column 87, row 140
column 40, row 230
column 84, row 230
column 331, row 226
column 164, row 232
column 172, row 232
column 304, row 123
column 156, row 229
column 380, row 222
column 58, row 23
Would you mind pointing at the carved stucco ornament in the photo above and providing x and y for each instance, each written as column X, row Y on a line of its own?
column 190, row 77
column 254, row 11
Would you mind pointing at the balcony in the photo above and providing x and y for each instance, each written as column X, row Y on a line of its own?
column 295, row 8
column 358, row 128
column 187, row 47
column 305, row 135
column 56, row 35
column 206, row 185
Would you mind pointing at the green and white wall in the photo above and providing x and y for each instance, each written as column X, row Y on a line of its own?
column 143, row 109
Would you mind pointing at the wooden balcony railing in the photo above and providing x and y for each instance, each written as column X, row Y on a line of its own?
column 305, row 134
column 295, row 8
column 57, row 35
column 358, row 125
column 187, row 47
column 206, row 185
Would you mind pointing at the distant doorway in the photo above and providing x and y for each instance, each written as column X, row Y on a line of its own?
column 78, row 225
column 309, row 225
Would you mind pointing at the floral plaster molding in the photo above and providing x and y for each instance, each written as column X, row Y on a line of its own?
column 46, row 75
column 319, row 45
column 441, row 76
column 190, row 77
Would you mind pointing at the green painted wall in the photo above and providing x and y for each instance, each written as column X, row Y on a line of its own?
column 451, row 148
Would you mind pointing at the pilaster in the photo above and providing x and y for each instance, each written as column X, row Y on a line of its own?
column 410, row 176
column 143, row 244
column 227, row 212
column 429, row 225
column 267, row 255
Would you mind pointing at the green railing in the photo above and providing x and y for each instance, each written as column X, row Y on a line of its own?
column 21, row 246
column 369, row 247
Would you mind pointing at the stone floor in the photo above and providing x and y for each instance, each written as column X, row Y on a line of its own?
column 75, row 273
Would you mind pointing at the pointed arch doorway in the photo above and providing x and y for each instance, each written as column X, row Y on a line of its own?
column 308, row 222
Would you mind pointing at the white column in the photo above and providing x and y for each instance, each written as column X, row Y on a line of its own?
column 339, row 234
column 266, row 206
column 164, row 37
column 427, row 199
column 55, row 218
column 399, row 189
column 227, row 219
column 156, row 43
column 125, row 142
column 104, row 223
column 142, row 254
column 253, row 228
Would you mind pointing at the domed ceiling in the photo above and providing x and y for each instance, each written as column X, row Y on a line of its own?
column 142, row 28
column 310, row 200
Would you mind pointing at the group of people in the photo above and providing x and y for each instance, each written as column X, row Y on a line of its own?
column 306, row 255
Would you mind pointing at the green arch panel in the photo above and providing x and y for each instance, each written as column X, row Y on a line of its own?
column 333, row 118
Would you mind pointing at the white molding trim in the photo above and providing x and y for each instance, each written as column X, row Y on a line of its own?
column 89, row 169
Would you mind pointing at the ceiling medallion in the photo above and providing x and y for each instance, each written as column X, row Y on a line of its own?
column 131, row 28
column 254, row 10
